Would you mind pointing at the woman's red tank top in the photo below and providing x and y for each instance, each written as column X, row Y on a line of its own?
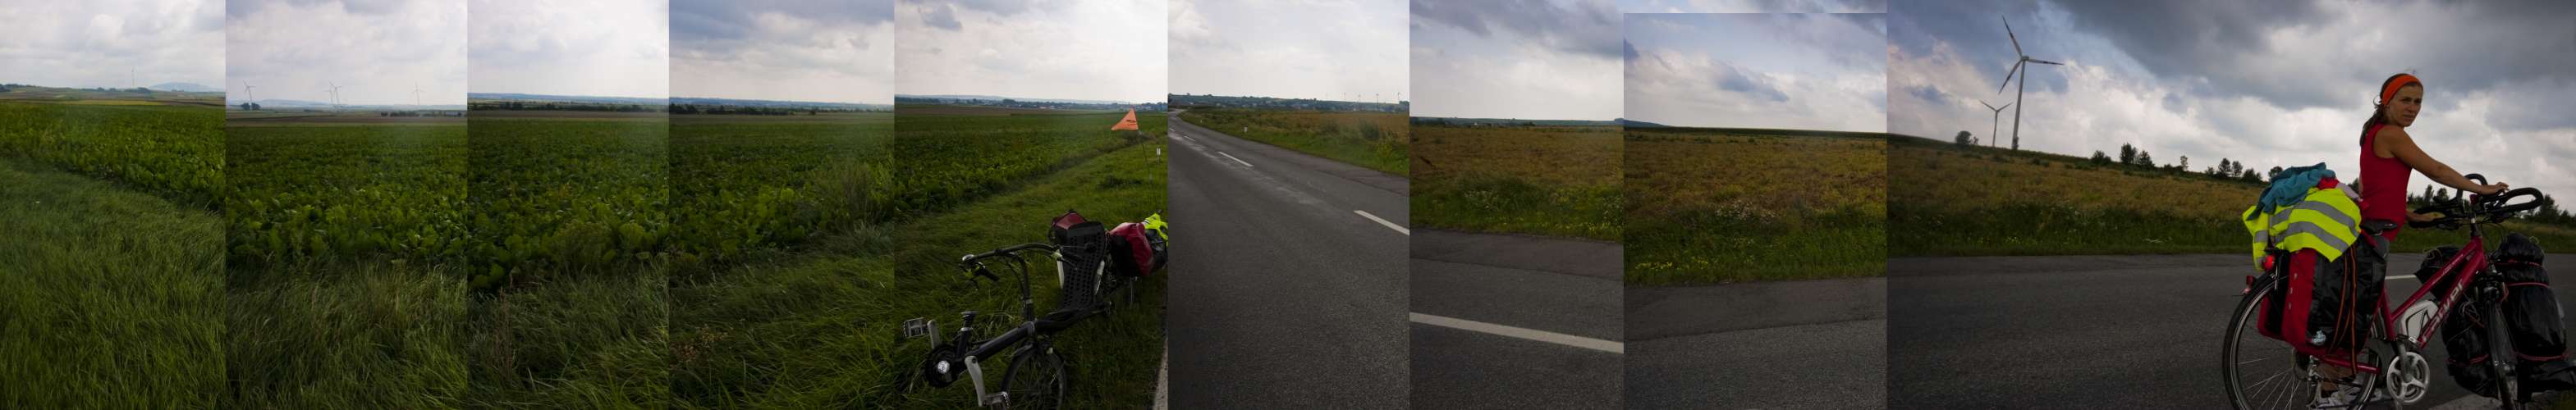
column 2383, row 182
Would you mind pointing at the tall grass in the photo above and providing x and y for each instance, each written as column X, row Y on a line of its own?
column 346, row 335
column 109, row 298
column 1548, row 180
column 1715, row 206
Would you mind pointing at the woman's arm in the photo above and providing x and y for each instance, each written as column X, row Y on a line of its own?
column 2395, row 141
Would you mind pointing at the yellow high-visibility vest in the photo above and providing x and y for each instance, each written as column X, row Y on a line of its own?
column 2327, row 221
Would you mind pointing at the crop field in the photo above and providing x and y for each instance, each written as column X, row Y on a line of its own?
column 302, row 193
column 1947, row 200
column 818, row 328
column 112, row 298
column 744, row 183
column 169, row 150
column 1377, row 140
column 1544, row 180
column 1719, row 206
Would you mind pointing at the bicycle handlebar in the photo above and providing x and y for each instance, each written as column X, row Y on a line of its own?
column 2478, row 208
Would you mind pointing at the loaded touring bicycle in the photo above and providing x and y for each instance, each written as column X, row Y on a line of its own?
column 1095, row 270
column 2309, row 309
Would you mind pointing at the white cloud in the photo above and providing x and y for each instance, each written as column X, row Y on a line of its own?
column 379, row 55
column 1330, row 49
column 112, row 43
column 1533, row 61
column 781, row 55
column 570, row 47
column 1098, row 50
column 1780, row 71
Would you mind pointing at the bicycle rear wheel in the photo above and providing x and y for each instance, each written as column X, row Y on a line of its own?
column 2500, row 355
column 2262, row 373
column 1036, row 378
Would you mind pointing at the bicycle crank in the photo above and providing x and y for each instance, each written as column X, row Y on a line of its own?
column 2408, row 377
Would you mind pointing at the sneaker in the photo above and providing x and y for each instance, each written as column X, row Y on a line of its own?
column 2347, row 396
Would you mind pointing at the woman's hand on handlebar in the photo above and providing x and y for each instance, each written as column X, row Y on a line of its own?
column 2495, row 188
column 2423, row 217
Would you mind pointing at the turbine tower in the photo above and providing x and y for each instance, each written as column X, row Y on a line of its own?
column 2025, row 79
column 335, row 97
column 1999, row 117
column 415, row 94
column 247, row 89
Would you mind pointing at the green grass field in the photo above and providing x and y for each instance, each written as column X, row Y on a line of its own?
column 746, row 183
column 1952, row 201
column 113, row 297
column 176, row 151
column 1717, row 206
column 345, row 287
column 1545, row 180
column 818, row 327
column 1376, row 140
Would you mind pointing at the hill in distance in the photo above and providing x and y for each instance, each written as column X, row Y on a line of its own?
column 185, row 87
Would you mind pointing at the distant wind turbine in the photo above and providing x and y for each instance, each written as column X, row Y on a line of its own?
column 2025, row 79
column 246, row 89
column 1999, row 117
column 415, row 94
column 335, row 96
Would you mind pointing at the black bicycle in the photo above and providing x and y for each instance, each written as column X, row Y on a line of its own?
column 1036, row 377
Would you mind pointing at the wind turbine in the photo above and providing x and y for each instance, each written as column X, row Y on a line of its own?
column 246, row 89
column 1999, row 117
column 2025, row 79
column 335, row 97
column 415, row 94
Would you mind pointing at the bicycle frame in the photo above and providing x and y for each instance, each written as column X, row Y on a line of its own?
column 2457, row 273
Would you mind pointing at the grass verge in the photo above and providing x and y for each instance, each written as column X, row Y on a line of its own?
column 113, row 298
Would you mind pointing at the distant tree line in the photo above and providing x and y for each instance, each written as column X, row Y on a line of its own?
column 559, row 106
column 742, row 110
column 1016, row 103
column 1188, row 100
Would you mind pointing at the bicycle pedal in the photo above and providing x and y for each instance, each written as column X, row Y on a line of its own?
column 997, row 399
column 916, row 328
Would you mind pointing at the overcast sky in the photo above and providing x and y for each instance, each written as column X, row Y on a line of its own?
column 1325, row 49
column 2268, row 83
column 1753, row 6
column 607, row 48
column 1525, row 59
column 1087, row 50
column 112, row 43
column 377, row 51
column 789, row 50
column 1783, row 71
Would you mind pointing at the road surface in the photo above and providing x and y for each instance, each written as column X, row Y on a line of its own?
column 1816, row 344
column 1289, row 283
column 2104, row 331
column 1513, row 321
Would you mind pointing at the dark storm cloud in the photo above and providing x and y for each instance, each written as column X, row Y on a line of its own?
column 1733, row 79
column 1589, row 28
column 940, row 16
column 1819, row 6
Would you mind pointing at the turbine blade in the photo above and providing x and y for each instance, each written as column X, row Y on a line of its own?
column 1990, row 107
column 2008, row 34
column 2000, row 110
column 2045, row 62
column 2016, row 68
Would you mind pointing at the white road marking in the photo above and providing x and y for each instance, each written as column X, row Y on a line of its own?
column 1530, row 334
column 1382, row 221
column 1236, row 160
column 1163, row 381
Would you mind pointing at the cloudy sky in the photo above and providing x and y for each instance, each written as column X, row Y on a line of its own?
column 790, row 50
column 2268, row 83
column 1086, row 50
column 378, row 52
column 104, row 43
column 1753, row 6
column 1784, row 71
column 1325, row 49
column 608, row 48
column 1525, row 59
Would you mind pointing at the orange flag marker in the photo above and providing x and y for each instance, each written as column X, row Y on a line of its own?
column 1128, row 124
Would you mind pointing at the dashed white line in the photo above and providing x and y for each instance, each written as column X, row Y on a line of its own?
column 1382, row 221
column 1530, row 334
column 1236, row 160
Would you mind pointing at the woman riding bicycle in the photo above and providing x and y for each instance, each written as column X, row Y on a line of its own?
column 2389, row 160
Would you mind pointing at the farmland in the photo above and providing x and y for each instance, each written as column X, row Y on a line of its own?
column 817, row 328
column 568, row 217
column 173, row 151
column 1716, row 206
column 112, row 298
column 344, row 283
column 1947, row 200
column 1544, row 180
column 744, row 183
column 1377, row 140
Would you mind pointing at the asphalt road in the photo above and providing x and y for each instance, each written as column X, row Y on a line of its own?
column 1513, row 321
column 1818, row 344
column 1286, row 293
column 2103, row 331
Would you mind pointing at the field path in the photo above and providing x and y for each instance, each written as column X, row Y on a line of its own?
column 2116, row 331
column 1288, row 289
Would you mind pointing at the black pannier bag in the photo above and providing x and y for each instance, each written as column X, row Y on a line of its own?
column 2464, row 333
column 2533, row 318
column 2343, row 297
column 1082, row 253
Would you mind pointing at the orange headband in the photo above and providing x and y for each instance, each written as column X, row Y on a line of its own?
column 2401, row 81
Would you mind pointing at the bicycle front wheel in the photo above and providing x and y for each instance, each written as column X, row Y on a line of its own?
column 1036, row 379
column 2262, row 373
